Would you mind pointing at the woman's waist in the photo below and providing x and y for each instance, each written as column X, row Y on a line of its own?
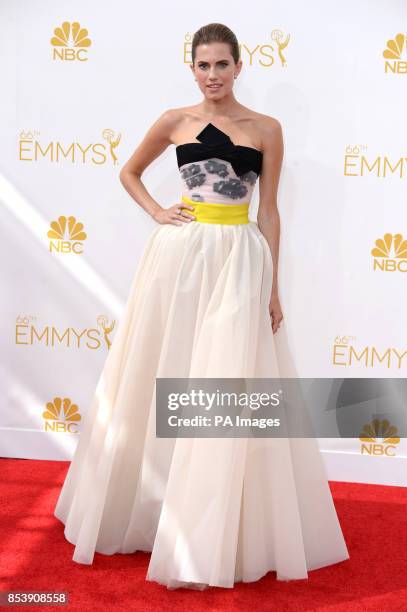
column 218, row 212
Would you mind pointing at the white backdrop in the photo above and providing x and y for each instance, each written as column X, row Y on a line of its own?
column 72, row 115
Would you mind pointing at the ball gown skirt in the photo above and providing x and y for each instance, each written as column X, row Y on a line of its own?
column 212, row 511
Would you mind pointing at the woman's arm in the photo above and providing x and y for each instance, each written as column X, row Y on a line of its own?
column 156, row 140
column 268, row 217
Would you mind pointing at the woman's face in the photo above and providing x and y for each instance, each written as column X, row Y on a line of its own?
column 215, row 69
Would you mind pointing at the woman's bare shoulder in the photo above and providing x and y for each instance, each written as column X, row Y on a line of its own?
column 168, row 119
column 172, row 119
column 177, row 115
column 269, row 130
column 266, row 122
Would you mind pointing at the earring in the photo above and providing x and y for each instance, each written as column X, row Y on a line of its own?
column 235, row 76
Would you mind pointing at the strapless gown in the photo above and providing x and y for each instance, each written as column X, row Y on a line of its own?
column 210, row 511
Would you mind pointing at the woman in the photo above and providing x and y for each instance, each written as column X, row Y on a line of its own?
column 204, row 303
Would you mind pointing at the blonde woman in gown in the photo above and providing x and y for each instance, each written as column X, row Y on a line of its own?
column 203, row 303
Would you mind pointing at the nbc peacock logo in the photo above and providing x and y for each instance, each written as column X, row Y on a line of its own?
column 390, row 253
column 379, row 438
column 66, row 236
column 70, row 42
column 61, row 416
column 395, row 55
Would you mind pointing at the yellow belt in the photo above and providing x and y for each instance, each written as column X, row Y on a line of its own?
column 211, row 212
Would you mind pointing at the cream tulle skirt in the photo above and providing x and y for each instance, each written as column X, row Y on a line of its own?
column 212, row 511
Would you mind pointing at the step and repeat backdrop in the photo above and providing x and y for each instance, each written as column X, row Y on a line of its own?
column 82, row 83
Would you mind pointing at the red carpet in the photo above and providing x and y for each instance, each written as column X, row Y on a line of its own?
column 36, row 556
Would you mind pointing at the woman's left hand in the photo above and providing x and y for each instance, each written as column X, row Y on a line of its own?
column 275, row 312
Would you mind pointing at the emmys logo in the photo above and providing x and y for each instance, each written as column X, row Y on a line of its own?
column 357, row 163
column 70, row 42
column 107, row 329
column 390, row 253
column 264, row 55
column 61, row 416
column 32, row 150
column 393, row 55
column 66, row 236
column 379, row 430
column 28, row 333
column 346, row 353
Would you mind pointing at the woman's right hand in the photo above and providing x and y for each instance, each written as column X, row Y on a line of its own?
column 174, row 215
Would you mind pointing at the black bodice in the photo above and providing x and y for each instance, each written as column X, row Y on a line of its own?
column 216, row 144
